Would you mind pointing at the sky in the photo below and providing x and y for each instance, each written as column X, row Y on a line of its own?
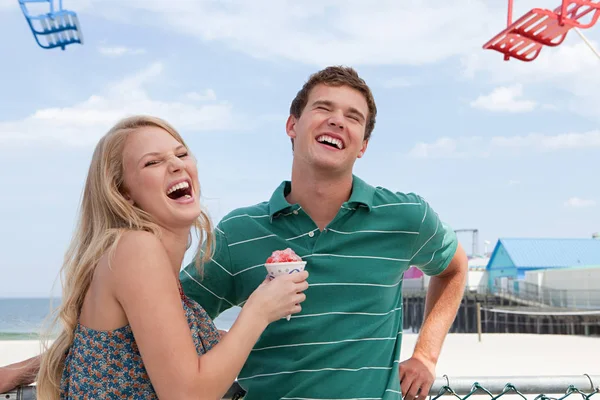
column 508, row 148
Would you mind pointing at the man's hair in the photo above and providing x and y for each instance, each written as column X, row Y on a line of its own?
column 337, row 76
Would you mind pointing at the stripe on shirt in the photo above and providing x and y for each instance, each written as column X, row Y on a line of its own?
column 251, row 240
column 324, row 343
column 431, row 237
column 304, row 234
column 216, row 262
column 322, row 255
column 207, row 289
column 357, row 284
column 346, row 313
column 314, row 371
column 348, row 256
column 371, row 231
column 244, row 215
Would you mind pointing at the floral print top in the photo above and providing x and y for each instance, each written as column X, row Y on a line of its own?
column 108, row 364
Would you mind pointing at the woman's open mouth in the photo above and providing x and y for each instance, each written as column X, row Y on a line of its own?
column 180, row 191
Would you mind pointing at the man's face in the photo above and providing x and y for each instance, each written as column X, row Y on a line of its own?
column 330, row 132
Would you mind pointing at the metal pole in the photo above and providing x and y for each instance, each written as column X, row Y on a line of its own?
column 524, row 384
column 587, row 42
column 459, row 386
column 509, row 22
column 235, row 392
column 479, row 321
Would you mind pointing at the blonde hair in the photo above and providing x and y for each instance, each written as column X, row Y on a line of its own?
column 104, row 215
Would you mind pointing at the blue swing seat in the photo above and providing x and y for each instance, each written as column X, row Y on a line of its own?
column 57, row 28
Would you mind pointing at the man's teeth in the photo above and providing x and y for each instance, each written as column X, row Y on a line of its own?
column 187, row 196
column 329, row 139
column 181, row 185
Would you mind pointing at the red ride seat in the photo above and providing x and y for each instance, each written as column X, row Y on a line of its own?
column 524, row 38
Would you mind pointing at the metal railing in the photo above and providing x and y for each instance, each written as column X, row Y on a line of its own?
column 527, row 292
column 496, row 387
column 560, row 387
column 562, row 298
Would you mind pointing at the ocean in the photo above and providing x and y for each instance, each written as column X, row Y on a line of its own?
column 24, row 319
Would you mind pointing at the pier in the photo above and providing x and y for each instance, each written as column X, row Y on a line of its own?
column 487, row 312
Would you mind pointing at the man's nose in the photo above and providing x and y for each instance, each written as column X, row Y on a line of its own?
column 336, row 120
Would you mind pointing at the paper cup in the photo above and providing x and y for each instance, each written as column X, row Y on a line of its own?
column 285, row 268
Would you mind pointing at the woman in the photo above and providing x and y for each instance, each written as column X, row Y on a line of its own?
column 128, row 329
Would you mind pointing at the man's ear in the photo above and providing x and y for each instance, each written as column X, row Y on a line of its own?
column 290, row 126
column 363, row 148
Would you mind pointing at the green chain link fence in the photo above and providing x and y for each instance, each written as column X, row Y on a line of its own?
column 493, row 388
column 511, row 389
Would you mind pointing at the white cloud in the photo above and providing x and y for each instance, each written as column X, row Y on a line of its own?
column 7, row 4
column 398, row 82
column 447, row 147
column 42, row 7
column 477, row 147
column 83, row 123
column 576, row 202
column 117, row 51
column 504, row 99
column 546, row 143
column 207, row 95
column 554, row 63
column 567, row 70
column 549, row 107
column 326, row 31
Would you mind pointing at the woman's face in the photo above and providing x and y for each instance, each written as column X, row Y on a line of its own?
column 161, row 177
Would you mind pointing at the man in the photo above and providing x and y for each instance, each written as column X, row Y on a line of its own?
column 358, row 241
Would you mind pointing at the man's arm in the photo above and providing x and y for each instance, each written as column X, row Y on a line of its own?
column 443, row 299
column 444, row 295
column 19, row 374
column 214, row 286
column 438, row 254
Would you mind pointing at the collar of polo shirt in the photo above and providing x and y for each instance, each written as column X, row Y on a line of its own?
column 362, row 194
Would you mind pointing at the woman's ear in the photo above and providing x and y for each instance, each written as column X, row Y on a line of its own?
column 128, row 198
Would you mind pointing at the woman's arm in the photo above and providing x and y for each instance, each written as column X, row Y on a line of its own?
column 146, row 287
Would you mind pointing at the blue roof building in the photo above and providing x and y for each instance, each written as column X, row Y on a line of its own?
column 511, row 258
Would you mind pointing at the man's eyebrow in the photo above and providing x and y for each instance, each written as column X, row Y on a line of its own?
column 323, row 103
column 355, row 111
column 329, row 103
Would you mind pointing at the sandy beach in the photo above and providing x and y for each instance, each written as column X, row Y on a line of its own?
column 505, row 355
column 462, row 355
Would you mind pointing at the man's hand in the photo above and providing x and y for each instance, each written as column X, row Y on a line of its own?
column 222, row 333
column 417, row 374
column 8, row 379
column 19, row 374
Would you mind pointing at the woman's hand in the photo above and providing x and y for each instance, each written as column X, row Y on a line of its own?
column 280, row 297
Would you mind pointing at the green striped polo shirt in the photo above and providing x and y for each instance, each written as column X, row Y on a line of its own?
column 345, row 343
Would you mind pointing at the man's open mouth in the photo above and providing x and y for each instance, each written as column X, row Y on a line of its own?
column 330, row 141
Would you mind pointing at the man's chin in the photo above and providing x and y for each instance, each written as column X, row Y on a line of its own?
column 334, row 167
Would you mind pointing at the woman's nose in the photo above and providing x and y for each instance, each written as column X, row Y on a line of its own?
column 175, row 164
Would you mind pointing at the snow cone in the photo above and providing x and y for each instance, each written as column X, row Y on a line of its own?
column 284, row 262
